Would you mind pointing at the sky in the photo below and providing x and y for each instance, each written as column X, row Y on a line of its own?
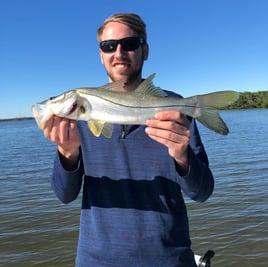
column 196, row 46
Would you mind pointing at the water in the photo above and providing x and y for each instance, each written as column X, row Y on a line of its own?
column 234, row 221
column 37, row 230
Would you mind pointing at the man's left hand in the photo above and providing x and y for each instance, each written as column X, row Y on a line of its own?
column 171, row 128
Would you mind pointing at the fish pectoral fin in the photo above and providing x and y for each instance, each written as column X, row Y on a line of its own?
column 96, row 127
column 100, row 127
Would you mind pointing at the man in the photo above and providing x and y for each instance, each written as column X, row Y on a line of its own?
column 133, row 213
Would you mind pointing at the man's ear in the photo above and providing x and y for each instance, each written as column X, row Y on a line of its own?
column 101, row 58
column 145, row 48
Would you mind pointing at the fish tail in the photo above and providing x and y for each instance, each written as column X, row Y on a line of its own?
column 208, row 114
column 212, row 120
column 218, row 99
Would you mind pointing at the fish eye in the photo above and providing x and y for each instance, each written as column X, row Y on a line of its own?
column 52, row 97
column 82, row 109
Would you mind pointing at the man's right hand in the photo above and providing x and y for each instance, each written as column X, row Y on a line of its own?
column 63, row 132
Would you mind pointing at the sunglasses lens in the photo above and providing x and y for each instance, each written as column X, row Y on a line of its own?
column 131, row 43
column 108, row 46
column 128, row 44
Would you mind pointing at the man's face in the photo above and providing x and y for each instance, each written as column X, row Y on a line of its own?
column 122, row 64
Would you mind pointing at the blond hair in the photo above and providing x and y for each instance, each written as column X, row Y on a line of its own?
column 132, row 20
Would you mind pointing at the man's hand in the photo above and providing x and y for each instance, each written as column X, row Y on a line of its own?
column 171, row 128
column 63, row 132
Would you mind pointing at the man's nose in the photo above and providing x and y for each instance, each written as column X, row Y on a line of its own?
column 119, row 50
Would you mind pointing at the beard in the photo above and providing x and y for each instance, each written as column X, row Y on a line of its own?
column 130, row 77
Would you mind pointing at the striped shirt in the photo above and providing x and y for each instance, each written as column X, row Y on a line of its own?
column 133, row 212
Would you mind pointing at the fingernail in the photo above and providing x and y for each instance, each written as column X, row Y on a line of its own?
column 157, row 116
column 147, row 130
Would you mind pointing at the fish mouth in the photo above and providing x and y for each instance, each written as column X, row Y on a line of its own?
column 73, row 108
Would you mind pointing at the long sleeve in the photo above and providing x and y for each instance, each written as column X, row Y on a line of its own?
column 66, row 184
column 198, row 184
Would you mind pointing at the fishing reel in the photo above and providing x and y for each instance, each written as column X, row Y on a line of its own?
column 204, row 261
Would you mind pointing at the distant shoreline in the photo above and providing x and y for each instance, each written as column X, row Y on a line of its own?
column 18, row 119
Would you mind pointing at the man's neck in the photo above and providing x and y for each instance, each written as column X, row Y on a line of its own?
column 132, row 85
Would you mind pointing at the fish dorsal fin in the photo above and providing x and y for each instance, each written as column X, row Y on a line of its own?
column 117, row 86
column 100, row 127
column 147, row 87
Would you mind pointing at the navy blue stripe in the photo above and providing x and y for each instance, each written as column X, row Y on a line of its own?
column 130, row 194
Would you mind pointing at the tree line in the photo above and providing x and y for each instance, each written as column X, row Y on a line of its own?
column 249, row 100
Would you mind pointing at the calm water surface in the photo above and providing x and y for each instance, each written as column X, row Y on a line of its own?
column 37, row 230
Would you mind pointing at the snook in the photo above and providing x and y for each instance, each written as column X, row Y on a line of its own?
column 104, row 106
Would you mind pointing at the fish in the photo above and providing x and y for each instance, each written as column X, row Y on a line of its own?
column 102, row 107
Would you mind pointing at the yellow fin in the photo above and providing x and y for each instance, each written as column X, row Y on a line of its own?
column 208, row 105
column 219, row 99
column 212, row 120
column 107, row 130
column 100, row 127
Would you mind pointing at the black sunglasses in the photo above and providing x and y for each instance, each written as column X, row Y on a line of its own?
column 128, row 44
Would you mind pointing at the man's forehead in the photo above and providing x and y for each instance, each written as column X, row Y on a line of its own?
column 116, row 30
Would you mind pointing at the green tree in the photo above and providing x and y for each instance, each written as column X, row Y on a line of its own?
column 248, row 100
